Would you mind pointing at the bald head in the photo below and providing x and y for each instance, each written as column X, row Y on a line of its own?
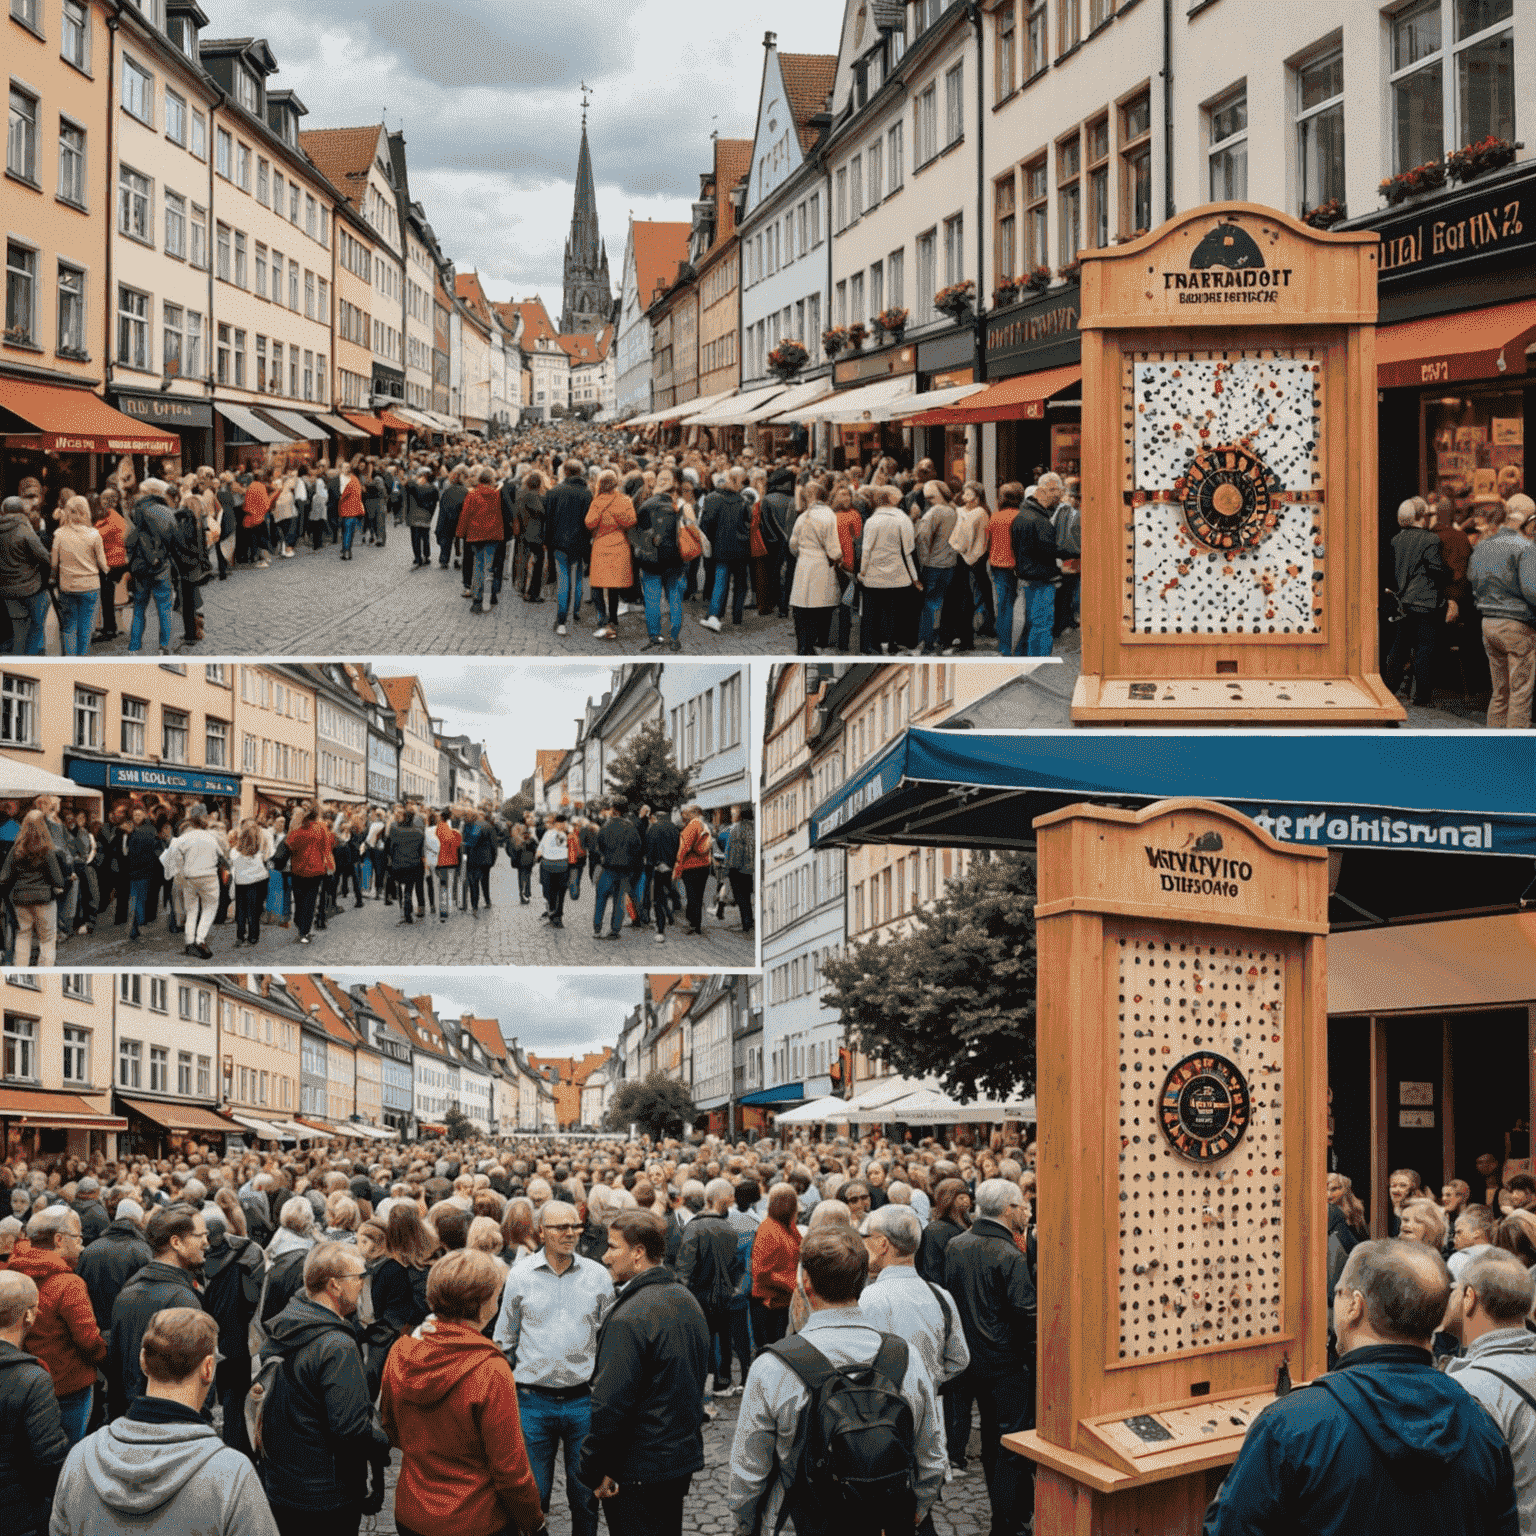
column 1518, row 511
column 13, row 506
column 1391, row 1292
column 18, row 1295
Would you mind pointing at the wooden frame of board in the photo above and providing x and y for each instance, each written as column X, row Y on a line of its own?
column 1229, row 366
column 1181, row 932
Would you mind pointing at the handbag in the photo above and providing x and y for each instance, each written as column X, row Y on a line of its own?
column 691, row 543
column 281, row 858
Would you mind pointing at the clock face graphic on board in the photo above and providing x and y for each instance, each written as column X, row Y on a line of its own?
column 1204, row 1107
column 1226, row 493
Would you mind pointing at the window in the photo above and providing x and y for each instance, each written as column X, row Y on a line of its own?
column 1320, row 129
column 71, row 338
column 133, row 328
column 895, row 266
column 1069, row 24
column 216, row 744
column 875, row 164
column 1069, row 199
column 1098, row 183
column 222, row 235
column 75, row 35
column 175, row 118
column 839, row 202
column 1036, row 197
column 240, row 264
column 1136, row 165
column 293, row 286
column 193, row 348
column 130, row 1059
column 1037, row 56
column 277, row 193
column 223, row 148
column 184, row 1073
column 1005, row 228
column 197, row 237
column 261, row 363
column 175, row 224
column 199, row 135
column 174, row 735
column 20, row 294
column 135, row 206
column 128, row 988
column 293, row 202
column 925, row 127
column 1007, row 50
column 927, row 281
column 954, row 104
column 876, row 288
column 77, row 1054
column 204, row 1076
column 1485, row 80
column 1228, row 153
column 245, row 90
column 309, row 295
column 71, row 163
column 134, row 721
column 20, row 1046
column 1099, row 11
column 159, row 1062
column 183, row 1002
column 138, row 91
column 21, row 137
column 815, row 206
column 856, row 187
column 243, row 166
column 311, row 216
column 159, row 994
column 89, row 726
column 954, row 249
column 239, row 359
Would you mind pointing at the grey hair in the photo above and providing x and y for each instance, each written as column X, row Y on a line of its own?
column 1405, row 1285
column 10, row 1226
column 1050, row 480
column 1408, row 512
column 1504, row 1286
column 194, row 1191
column 717, row 1190
column 130, row 1210
column 693, row 1195
column 898, row 1225
column 154, row 488
column 555, row 1208
column 298, row 1215
column 995, row 1196
column 50, row 1222
column 87, row 1186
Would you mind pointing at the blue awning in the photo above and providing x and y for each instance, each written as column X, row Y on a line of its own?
column 1470, row 794
column 785, row 1093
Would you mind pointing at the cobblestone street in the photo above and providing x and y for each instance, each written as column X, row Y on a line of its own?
column 507, row 934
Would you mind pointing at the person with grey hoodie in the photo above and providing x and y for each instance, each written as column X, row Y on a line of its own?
column 33, row 1444
column 162, row 1467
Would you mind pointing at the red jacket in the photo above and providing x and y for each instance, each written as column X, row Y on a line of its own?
column 65, row 1336
column 775, row 1262
column 695, row 849
column 256, row 504
column 449, row 1403
column 480, row 518
column 448, row 841
column 309, row 850
column 351, row 499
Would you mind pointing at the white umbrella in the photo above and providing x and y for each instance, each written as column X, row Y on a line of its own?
column 930, row 1107
column 830, row 1110
column 25, row 781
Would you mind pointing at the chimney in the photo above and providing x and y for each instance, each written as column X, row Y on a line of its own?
column 770, row 39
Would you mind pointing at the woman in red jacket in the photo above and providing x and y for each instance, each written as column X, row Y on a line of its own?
column 449, row 839
column 251, row 540
column 482, row 529
column 449, row 1403
column 350, row 510
column 775, row 1265
column 694, row 852
column 309, row 857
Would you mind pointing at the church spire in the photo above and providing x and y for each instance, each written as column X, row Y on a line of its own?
column 588, row 291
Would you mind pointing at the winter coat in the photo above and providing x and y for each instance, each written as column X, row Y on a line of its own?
column 726, row 522
column 112, row 529
column 931, row 538
column 937, row 1236
column 31, row 884
column 694, row 849
column 257, row 504
column 420, row 503
column 157, row 1286
column 741, row 848
column 1000, row 539
column 620, row 845
column 161, row 1469
column 1385, row 1442
column 232, row 1275
column 529, row 509
column 93, row 1221
column 778, row 504
column 309, row 851
column 479, row 845
column 775, row 1263
column 143, row 852
column 889, row 541
column 406, row 844
column 32, row 1442
column 1502, row 572
column 608, row 518
column 707, row 1262
column 449, row 505
column 480, row 519
column 648, row 1384
column 450, row 1404
column 108, row 1264
column 661, row 841
column 351, row 503
column 817, row 553
column 318, row 1431
column 24, row 562
column 989, row 1280
column 1034, row 543
column 565, row 518
column 65, row 1336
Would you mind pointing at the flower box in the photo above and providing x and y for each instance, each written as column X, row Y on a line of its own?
column 891, row 322
column 787, row 359
column 856, row 335
column 1412, row 183
column 1071, row 272
column 1038, row 279
column 1325, row 215
column 1489, row 154
column 834, row 340
column 955, row 300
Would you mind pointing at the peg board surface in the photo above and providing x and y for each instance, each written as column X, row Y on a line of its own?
column 1263, row 404
column 1200, row 1254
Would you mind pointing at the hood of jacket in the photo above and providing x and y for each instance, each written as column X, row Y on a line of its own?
column 301, row 1323
column 124, row 1231
column 782, row 480
column 137, row 1468
column 1413, row 1416
column 11, row 1357
column 39, row 1264
column 286, row 1240
column 435, row 1359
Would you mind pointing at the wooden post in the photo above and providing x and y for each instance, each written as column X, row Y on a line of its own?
column 1182, row 1095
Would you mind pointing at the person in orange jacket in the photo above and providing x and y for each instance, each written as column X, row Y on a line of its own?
column 482, row 529
column 694, row 852
column 350, row 510
column 251, row 541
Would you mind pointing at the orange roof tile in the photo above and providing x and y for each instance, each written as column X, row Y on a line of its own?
column 535, row 318
column 549, row 762
column 488, row 1033
column 733, row 160
column 342, row 156
column 808, row 81
column 398, row 691
column 660, row 248
column 315, row 1002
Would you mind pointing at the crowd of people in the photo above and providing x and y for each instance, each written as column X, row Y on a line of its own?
column 64, row 873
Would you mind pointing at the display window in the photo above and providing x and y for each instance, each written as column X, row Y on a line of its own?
column 1474, row 447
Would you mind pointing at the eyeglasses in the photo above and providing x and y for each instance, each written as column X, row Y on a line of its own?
column 564, row 1226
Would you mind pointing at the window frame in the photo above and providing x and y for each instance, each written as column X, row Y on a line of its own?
column 1305, row 116
column 31, row 141
column 1134, row 151
column 1220, row 148
column 147, row 80
column 64, row 346
column 26, row 271
column 1069, row 183
column 74, row 196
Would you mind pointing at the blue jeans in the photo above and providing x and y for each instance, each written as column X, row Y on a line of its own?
column 1039, row 617
column 547, row 1421
column 655, row 585
column 729, row 574
column 29, row 624
column 1005, row 587
column 160, row 590
column 77, row 618
column 935, row 585
column 612, row 883
column 568, row 568
column 348, row 533
column 484, row 554
column 75, row 1412
column 138, row 903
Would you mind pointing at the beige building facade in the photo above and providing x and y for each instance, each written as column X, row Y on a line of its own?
column 258, row 1050
column 275, row 726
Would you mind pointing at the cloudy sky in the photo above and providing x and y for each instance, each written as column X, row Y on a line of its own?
column 488, row 93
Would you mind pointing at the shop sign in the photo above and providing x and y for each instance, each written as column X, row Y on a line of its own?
column 1039, row 335
column 99, row 775
column 166, row 410
column 1226, row 267
column 954, row 349
column 891, row 363
column 1478, row 227
column 1199, row 870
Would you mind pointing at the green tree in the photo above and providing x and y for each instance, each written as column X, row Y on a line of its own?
column 954, row 997
column 657, row 1104
column 458, row 1124
column 646, row 772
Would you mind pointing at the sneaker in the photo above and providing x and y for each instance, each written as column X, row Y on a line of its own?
column 262, row 565
column 623, row 609
column 674, row 644
column 711, row 622
column 559, row 629
column 655, row 643
column 661, row 938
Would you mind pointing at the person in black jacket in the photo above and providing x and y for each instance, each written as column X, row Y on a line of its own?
column 661, row 840
column 995, row 1297
column 1421, row 577
column 422, row 499
column 1034, row 564
column 109, row 1263
column 449, row 505
column 709, row 1265
column 567, row 538
column 621, row 848
column 33, row 1445
column 778, row 521
column 646, row 1440
column 319, row 1436
column 142, row 868
column 92, row 1213
column 178, row 1238
column 233, row 1269
column 726, row 521
column 951, row 1217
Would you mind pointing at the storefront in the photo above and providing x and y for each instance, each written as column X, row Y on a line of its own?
column 191, row 421
column 866, row 437
column 129, row 784
column 344, row 438
column 157, row 1128
column 244, row 440
column 39, row 1123
column 946, row 362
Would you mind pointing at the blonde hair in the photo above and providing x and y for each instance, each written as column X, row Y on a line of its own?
column 77, row 511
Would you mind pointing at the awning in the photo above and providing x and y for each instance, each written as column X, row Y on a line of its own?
column 852, row 405
column 418, row 419
column 395, row 422
column 179, row 1117
column 370, row 424
column 830, row 1111
column 782, row 407
column 23, row 781
column 930, row 1107
column 1474, row 962
column 338, row 425
column 930, row 400
column 370, row 1132
column 55, row 1111
column 1021, row 398
column 300, row 426
column 785, row 1093
column 250, row 423
column 1442, row 349
column 262, row 1130
column 301, row 1132
column 888, row 1092
column 674, row 412
column 431, row 1130
column 66, row 420
column 735, row 408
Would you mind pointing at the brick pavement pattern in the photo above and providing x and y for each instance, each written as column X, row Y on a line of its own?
column 506, row 934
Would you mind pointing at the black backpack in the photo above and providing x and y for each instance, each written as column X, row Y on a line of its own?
column 856, row 1447
column 145, row 543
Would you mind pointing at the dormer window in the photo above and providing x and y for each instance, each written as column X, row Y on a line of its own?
column 153, row 11
column 183, row 34
column 246, row 91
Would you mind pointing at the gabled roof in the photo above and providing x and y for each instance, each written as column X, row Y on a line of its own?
column 583, row 351
column 420, row 1029
column 343, row 156
column 550, row 762
column 488, row 1033
column 398, row 690
column 466, row 285
column 808, row 81
column 535, row 318
column 660, row 248
column 318, row 1003
column 733, row 160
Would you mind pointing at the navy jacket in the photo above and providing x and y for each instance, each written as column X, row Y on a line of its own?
column 1383, row 1443
column 565, row 518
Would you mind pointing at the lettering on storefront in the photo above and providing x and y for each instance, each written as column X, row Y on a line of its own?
column 1198, row 871
column 187, row 413
column 1476, row 227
